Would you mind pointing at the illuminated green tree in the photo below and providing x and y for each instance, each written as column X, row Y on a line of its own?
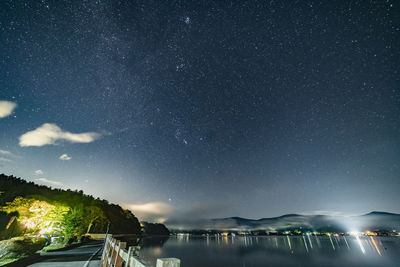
column 73, row 223
column 37, row 216
column 18, row 194
column 94, row 215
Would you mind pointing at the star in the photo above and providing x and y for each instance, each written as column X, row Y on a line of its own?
column 187, row 20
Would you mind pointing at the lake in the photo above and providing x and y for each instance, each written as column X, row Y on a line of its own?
column 246, row 251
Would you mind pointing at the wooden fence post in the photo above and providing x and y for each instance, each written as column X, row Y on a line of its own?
column 115, row 243
column 115, row 255
column 106, row 250
column 129, row 256
column 110, row 250
column 119, row 260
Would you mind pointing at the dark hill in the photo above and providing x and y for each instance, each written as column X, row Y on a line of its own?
column 375, row 220
column 121, row 221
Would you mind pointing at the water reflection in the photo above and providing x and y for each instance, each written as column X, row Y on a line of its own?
column 375, row 245
column 306, row 250
column 360, row 244
column 157, row 241
column 149, row 242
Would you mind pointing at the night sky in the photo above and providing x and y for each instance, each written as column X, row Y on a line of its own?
column 205, row 108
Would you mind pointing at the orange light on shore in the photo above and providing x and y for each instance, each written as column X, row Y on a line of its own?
column 369, row 233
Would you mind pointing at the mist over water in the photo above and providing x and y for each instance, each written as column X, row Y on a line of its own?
column 275, row 250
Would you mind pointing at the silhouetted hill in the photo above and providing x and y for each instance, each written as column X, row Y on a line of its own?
column 121, row 221
column 375, row 220
column 153, row 229
column 380, row 213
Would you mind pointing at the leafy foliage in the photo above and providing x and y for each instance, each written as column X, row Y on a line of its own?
column 73, row 223
column 36, row 215
column 18, row 247
column 93, row 215
column 73, row 213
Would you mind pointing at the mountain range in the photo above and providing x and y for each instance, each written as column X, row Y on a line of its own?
column 373, row 221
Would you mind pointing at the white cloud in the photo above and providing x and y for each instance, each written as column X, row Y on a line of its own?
column 5, row 160
column 6, row 108
column 49, row 134
column 39, row 172
column 48, row 181
column 5, row 152
column 151, row 211
column 65, row 157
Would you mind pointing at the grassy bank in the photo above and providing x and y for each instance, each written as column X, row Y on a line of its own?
column 19, row 247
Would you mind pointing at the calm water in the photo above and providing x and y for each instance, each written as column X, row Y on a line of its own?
column 275, row 251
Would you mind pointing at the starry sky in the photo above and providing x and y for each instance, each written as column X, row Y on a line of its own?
column 205, row 108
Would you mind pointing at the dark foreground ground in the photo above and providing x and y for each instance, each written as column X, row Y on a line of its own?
column 74, row 257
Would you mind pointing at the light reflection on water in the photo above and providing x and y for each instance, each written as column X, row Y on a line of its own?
column 306, row 250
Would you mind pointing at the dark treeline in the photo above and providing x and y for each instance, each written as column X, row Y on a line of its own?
column 153, row 229
column 77, row 208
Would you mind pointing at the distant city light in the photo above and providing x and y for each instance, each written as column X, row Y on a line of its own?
column 354, row 233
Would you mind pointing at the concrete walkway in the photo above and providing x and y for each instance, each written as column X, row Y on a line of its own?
column 72, row 258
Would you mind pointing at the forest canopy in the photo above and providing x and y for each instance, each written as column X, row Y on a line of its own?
column 28, row 208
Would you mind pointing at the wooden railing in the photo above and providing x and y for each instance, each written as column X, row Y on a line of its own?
column 115, row 254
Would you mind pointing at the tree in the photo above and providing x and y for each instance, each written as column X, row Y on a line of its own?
column 155, row 229
column 37, row 216
column 73, row 223
column 94, row 214
column 59, row 202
